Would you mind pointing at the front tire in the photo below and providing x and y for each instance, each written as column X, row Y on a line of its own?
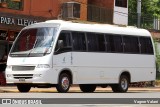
column 23, row 88
column 63, row 83
column 123, row 85
column 87, row 88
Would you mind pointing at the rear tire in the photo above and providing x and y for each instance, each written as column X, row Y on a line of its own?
column 23, row 88
column 63, row 83
column 123, row 85
column 87, row 88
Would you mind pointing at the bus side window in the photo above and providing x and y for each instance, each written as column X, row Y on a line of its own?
column 146, row 45
column 114, row 43
column 131, row 44
column 101, row 42
column 92, row 42
column 79, row 41
column 65, row 40
column 95, row 42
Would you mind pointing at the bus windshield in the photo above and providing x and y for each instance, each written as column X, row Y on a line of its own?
column 34, row 42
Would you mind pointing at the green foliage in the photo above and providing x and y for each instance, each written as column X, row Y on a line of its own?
column 157, row 59
column 132, row 6
column 149, row 12
column 157, row 54
column 149, row 7
column 154, row 7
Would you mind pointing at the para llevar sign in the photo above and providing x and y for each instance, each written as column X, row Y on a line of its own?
column 16, row 21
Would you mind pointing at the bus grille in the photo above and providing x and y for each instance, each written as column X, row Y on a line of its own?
column 23, row 68
column 26, row 76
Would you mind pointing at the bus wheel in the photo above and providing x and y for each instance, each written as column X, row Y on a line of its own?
column 114, row 88
column 23, row 88
column 122, row 86
column 87, row 87
column 63, row 83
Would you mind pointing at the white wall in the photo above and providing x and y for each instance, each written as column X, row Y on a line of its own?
column 120, row 15
column 156, row 24
column 158, row 47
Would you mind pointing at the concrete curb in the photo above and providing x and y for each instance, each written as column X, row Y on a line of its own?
column 157, row 83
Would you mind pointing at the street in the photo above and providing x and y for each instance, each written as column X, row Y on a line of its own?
column 51, row 96
column 130, row 94
column 76, row 89
column 74, row 92
column 81, row 95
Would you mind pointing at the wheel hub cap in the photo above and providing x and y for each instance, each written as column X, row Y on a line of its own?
column 124, row 84
column 65, row 83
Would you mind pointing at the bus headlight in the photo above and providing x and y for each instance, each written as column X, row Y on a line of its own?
column 37, row 75
column 9, row 67
column 9, row 75
column 43, row 66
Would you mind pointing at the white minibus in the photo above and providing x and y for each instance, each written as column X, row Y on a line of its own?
column 60, row 53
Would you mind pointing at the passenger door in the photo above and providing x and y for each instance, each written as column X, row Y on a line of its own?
column 62, row 55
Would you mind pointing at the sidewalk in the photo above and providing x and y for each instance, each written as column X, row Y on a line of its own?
column 13, row 89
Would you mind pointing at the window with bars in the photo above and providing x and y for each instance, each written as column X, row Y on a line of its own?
column 121, row 3
column 12, row 4
column 70, row 10
column 99, row 14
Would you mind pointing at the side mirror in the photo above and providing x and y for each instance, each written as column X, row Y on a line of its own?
column 60, row 48
column 60, row 44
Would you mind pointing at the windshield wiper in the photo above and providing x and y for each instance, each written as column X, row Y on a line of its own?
column 32, row 48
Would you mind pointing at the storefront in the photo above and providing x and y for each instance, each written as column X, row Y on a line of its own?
column 10, row 26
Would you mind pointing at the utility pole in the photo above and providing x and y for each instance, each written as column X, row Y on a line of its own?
column 139, row 13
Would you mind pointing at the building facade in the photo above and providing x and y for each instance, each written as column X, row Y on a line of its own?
column 15, row 14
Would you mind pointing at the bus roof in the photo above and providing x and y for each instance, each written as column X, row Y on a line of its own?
column 98, row 28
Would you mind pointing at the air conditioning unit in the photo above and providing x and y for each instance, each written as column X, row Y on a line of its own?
column 3, row 1
column 71, row 10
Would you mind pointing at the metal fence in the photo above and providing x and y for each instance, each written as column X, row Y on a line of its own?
column 147, row 22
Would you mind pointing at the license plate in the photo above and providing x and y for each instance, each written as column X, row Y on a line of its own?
column 21, row 79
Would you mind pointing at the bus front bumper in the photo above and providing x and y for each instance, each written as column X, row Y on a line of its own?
column 31, row 77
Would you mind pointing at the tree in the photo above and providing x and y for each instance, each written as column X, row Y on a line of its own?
column 150, row 11
column 149, row 7
column 154, row 7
